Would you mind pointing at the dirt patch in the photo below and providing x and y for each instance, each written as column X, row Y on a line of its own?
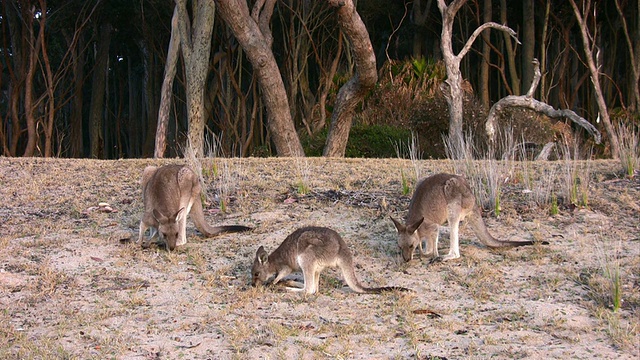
column 72, row 286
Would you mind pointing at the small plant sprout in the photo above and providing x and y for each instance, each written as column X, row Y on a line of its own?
column 609, row 258
column 554, row 205
column 406, row 187
column 303, row 172
column 412, row 151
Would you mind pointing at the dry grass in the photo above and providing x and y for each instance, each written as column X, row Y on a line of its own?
column 70, row 289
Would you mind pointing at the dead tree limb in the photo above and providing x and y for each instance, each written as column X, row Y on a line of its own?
column 527, row 101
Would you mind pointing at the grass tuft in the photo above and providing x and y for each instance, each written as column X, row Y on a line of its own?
column 629, row 144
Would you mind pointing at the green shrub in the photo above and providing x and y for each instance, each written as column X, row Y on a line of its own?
column 371, row 141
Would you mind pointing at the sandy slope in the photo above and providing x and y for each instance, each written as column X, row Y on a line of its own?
column 70, row 288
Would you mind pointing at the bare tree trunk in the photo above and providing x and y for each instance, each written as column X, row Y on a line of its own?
column 595, row 75
column 528, row 42
column 253, row 34
column 543, row 53
column 634, row 52
column 50, row 86
column 150, row 99
column 355, row 89
column 511, row 56
column 487, row 16
column 75, row 137
column 454, row 95
column 98, row 85
column 167, row 87
column 20, row 60
column 195, row 41
column 29, row 105
column 326, row 83
column 135, row 113
column 419, row 17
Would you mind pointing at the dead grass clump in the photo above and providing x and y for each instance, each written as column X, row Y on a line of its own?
column 482, row 281
column 629, row 144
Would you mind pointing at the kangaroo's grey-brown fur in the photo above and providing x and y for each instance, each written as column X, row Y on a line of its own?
column 440, row 198
column 309, row 249
column 170, row 193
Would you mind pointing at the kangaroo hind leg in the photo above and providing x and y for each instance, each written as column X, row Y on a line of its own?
column 454, row 211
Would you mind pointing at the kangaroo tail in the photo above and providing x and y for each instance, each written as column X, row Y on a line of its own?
column 380, row 290
column 350, row 278
column 212, row 231
column 475, row 219
column 197, row 216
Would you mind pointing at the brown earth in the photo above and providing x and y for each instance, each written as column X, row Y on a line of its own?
column 72, row 286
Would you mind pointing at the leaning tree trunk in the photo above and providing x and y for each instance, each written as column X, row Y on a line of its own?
column 487, row 16
column 253, row 33
column 511, row 53
column 167, row 87
column 355, row 89
column 595, row 76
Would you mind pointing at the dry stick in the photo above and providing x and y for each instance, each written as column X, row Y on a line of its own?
column 527, row 101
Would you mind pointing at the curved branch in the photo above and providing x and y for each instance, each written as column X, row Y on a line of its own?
column 536, row 78
column 528, row 102
column 479, row 30
column 539, row 106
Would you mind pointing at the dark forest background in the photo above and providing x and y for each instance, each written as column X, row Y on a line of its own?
column 77, row 73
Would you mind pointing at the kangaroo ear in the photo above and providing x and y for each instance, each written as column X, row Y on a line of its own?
column 179, row 215
column 413, row 227
column 261, row 256
column 159, row 217
column 399, row 226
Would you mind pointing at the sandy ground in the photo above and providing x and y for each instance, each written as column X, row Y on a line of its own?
column 72, row 286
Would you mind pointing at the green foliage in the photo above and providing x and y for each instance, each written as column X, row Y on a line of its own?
column 419, row 67
column 554, row 205
column 370, row 141
column 302, row 188
column 406, row 187
column 613, row 274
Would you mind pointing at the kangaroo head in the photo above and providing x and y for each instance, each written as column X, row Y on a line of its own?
column 408, row 238
column 260, row 271
column 168, row 227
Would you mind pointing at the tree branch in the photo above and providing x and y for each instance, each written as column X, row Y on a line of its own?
column 528, row 102
column 479, row 30
column 536, row 78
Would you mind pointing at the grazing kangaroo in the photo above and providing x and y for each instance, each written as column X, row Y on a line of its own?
column 170, row 193
column 440, row 198
column 310, row 249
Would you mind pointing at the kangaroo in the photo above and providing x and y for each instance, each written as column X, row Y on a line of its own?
column 440, row 198
column 309, row 249
column 170, row 193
